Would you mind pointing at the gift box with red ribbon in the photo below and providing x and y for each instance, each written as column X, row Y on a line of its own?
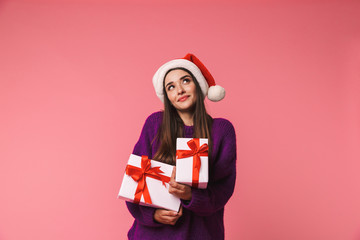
column 192, row 164
column 146, row 182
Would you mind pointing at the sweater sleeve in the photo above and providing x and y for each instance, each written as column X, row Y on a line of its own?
column 144, row 214
column 222, row 174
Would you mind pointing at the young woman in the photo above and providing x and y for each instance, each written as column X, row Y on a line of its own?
column 182, row 84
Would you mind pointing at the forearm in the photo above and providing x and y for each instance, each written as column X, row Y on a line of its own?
column 207, row 201
column 143, row 214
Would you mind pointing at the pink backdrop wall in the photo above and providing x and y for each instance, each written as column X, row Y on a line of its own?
column 75, row 89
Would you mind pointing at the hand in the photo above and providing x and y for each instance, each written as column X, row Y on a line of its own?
column 180, row 190
column 166, row 216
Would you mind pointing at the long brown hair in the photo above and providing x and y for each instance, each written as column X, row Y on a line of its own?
column 172, row 125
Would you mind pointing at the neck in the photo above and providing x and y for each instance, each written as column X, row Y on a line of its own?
column 187, row 117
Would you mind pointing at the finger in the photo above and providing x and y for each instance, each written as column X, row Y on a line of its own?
column 180, row 211
column 173, row 174
column 172, row 178
column 173, row 184
column 169, row 220
column 168, row 213
column 186, row 188
column 177, row 185
column 180, row 187
column 174, row 191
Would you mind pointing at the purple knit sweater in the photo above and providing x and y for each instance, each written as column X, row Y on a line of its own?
column 203, row 215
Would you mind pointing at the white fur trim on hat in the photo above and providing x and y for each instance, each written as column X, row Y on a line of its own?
column 216, row 93
column 158, row 79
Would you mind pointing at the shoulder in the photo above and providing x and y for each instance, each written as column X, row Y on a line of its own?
column 223, row 139
column 152, row 125
column 155, row 117
column 223, row 130
column 153, row 120
column 223, row 124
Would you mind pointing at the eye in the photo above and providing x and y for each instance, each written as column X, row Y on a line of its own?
column 186, row 80
column 170, row 87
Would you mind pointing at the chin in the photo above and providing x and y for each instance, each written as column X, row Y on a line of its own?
column 187, row 108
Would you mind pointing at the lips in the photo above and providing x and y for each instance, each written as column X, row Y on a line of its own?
column 182, row 99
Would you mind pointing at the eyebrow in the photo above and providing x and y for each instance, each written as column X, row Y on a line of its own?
column 180, row 79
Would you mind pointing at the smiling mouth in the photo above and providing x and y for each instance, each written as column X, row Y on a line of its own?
column 182, row 99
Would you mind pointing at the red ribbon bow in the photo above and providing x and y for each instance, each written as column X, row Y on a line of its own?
column 139, row 175
column 196, row 151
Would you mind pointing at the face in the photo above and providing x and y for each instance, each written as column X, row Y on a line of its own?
column 180, row 89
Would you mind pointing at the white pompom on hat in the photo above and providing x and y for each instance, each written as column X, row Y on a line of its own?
column 206, row 81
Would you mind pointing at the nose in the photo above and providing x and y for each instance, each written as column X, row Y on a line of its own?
column 180, row 89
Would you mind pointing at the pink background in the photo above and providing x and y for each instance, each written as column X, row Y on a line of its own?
column 75, row 89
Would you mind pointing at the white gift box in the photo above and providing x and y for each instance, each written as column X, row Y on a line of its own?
column 159, row 194
column 184, row 166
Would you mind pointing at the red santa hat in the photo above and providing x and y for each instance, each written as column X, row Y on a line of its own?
column 201, row 73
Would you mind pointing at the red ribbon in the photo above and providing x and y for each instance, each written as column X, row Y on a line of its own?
column 196, row 151
column 139, row 175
